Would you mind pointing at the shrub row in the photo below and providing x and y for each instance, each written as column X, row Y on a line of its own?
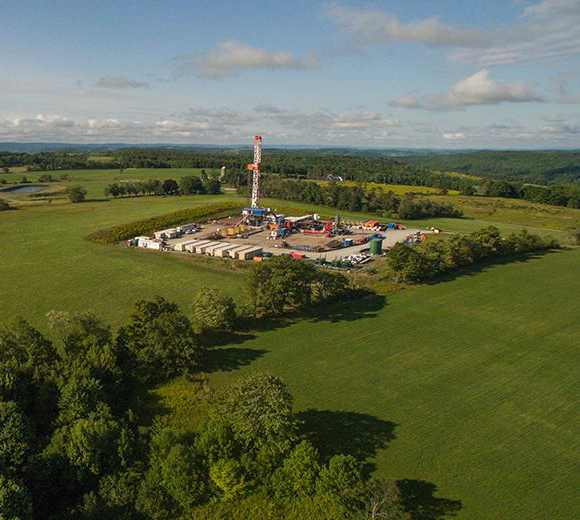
column 149, row 225
column 430, row 259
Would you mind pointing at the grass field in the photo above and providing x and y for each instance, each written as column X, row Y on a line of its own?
column 469, row 385
column 95, row 181
column 46, row 263
column 477, row 380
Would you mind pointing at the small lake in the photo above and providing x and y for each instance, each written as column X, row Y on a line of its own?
column 26, row 188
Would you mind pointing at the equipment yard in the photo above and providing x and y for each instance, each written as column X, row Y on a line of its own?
column 305, row 237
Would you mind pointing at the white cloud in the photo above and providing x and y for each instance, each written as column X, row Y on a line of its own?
column 231, row 58
column 119, row 82
column 545, row 30
column 555, row 118
column 376, row 26
column 454, row 136
column 478, row 89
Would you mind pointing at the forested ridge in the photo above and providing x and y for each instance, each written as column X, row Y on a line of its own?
column 540, row 167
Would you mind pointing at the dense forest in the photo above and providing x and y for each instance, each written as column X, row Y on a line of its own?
column 542, row 167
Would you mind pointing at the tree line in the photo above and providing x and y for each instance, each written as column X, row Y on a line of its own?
column 433, row 258
column 501, row 174
column 76, row 440
column 188, row 185
column 355, row 199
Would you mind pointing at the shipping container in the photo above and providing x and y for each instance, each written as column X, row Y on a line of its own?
column 200, row 249
column 182, row 245
column 248, row 254
column 212, row 249
column 224, row 251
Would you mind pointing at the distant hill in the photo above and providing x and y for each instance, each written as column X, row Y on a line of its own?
column 543, row 167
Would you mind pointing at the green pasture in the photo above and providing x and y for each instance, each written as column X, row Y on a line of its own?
column 46, row 263
column 95, row 181
column 469, row 385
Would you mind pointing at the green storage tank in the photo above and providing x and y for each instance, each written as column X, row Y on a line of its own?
column 377, row 246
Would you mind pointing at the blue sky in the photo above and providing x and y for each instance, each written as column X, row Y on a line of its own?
column 415, row 73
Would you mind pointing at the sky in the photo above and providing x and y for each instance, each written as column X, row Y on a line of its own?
column 387, row 74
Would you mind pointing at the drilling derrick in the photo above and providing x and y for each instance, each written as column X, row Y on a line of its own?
column 255, row 168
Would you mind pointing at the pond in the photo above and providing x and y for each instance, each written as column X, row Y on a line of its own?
column 26, row 188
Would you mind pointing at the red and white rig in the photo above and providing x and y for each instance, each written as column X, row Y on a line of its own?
column 255, row 168
column 254, row 213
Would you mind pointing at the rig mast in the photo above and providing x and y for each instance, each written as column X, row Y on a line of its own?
column 255, row 168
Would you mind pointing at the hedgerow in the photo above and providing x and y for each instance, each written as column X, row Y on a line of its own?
column 150, row 225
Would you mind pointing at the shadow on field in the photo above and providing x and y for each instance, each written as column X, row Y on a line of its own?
column 349, row 433
column 225, row 359
column 364, row 305
column 222, row 356
column 420, row 501
column 472, row 270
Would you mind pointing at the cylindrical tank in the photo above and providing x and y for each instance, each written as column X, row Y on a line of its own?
column 376, row 246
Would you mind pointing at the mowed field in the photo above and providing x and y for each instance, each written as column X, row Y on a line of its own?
column 95, row 181
column 46, row 263
column 469, row 385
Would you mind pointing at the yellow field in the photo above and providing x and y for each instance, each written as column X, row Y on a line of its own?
column 397, row 189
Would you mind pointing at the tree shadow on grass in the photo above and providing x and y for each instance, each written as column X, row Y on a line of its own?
column 226, row 359
column 362, row 305
column 420, row 501
column 350, row 433
column 472, row 270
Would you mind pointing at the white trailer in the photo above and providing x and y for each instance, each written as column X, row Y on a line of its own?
column 231, row 253
column 141, row 241
column 235, row 253
column 212, row 249
column 182, row 245
column 200, row 248
column 248, row 254
column 152, row 243
column 225, row 251
column 192, row 247
column 167, row 233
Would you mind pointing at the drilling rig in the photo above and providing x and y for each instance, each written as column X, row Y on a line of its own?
column 255, row 168
column 255, row 212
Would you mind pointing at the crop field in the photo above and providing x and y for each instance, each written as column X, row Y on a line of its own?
column 397, row 189
column 469, row 385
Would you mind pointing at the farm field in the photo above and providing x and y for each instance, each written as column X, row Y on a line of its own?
column 515, row 211
column 397, row 189
column 95, row 181
column 469, row 385
column 46, row 263
column 476, row 381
